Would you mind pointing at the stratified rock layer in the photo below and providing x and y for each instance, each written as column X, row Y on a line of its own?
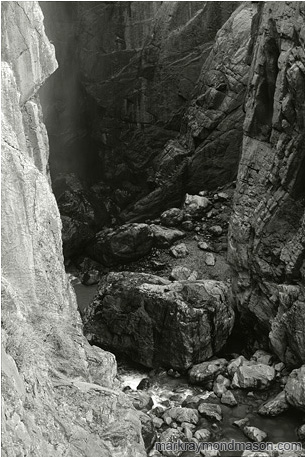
column 158, row 323
column 266, row 237
column 58, row 392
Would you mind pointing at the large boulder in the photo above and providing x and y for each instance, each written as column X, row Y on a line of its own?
column 159, row 323
column 119, row 246
column 295, row 388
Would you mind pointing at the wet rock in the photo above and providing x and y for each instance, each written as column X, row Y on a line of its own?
column 91, row 277
column 210, row 411
column 241, row 423
column 183, row 273
column 148, row 431
column 125, row 244
column 257, row 376
column 140, row 400
column 228, row 399
column 172, row 217
column 168, row 436
column 195, row 204
column 144, row 384
column 255, row 434
column 221, row 385
column 295, row 388
column 216, row 230
column 156, row 322
column 261, row 356
column 203, row 435
column 274, row 406
column 194, row 401
column 209, row 259
column 179, row 251
column 208, row 371
column 182, row 414
column 165, row 237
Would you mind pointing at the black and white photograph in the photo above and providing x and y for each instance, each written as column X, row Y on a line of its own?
column 152, row 236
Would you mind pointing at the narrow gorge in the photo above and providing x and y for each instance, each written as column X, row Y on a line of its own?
column 153, row 228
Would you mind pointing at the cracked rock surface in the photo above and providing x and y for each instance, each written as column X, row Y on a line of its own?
column 59, row 393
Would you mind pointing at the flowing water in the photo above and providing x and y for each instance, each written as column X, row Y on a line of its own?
column 169, row 391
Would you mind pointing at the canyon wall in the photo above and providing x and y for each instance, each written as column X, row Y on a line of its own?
column 128, row 71
column 206, row 153
column 59, row 393
column 266, row 237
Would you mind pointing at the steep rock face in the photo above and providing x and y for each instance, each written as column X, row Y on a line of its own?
column 213, row 122
column 207, row 151
column 128, row 69
column 59, row 397
column 266, row 238
column 158, row 323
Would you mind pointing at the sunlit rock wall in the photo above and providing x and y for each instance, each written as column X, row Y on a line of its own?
column 58, row 393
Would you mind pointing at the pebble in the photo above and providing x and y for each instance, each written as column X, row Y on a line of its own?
column 222, row 195
column 241, row 423
column 179, row 251
column 216, row 230
column 203, row 246
column 210, row 259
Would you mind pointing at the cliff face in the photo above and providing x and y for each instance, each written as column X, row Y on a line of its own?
column 266, row 238
column 134, row 67
column 206, row 153
column 59, row 396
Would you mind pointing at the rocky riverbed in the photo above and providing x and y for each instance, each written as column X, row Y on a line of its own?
column 171, row 401
column 232, row 396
